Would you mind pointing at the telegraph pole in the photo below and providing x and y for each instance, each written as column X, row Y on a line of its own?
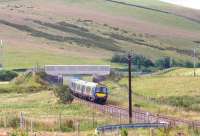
column 130, row 90
column 194, row 60
column 1, row 54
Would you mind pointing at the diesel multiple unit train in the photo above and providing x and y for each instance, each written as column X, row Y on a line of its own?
column 89, row 90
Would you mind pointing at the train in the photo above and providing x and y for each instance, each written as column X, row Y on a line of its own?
column 90, row 91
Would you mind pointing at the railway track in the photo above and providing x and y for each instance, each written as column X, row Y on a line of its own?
column 139, row 116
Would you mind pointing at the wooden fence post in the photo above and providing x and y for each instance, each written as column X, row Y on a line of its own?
column 78, row 128
column 120, row 121
column 5, row 121
column 31, row 126
column 21, row 120
column 60, row 125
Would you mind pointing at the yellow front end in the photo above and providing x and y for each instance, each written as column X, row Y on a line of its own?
column 100, row 95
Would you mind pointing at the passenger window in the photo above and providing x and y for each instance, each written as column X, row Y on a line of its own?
column 83, row 88
column 88, row 89
column 78, row 87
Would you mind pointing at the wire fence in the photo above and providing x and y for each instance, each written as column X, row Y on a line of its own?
column 56, row 123
column 140, row 116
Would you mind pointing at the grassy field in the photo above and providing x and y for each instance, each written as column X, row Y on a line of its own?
column 44, row 111
column 168, row 94
column 183, row 72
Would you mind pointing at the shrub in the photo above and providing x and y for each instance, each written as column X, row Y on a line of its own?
column 6, row 75
column 124, row 132
column 14, row 122
column 19, row 133
column 67, row 126
column 64, row 94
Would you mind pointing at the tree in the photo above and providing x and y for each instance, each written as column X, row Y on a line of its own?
column 188, row 64
column 64, row 94
column 6, row 75
column 163, row 62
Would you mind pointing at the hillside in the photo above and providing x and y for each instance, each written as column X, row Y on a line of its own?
column 89, row 32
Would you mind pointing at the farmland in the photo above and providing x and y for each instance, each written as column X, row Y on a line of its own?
column 170, row 93
column 44, row 105
column 40, row 32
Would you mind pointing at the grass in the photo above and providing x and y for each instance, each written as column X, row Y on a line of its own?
column 168, row 86
column 183, row 72
column 162, row 19
column 36, row 100
column 43, row 109
column 32, row 104
column 169, row 95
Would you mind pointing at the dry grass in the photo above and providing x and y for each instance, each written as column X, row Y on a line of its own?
column 164, row 89
column 183, row 72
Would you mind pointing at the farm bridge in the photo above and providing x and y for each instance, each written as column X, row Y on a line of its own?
column 64, row 70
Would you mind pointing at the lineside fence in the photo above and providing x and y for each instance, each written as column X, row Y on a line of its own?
column 140, row 116
column 56, row 122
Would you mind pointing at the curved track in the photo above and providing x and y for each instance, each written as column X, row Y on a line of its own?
column 140, row 116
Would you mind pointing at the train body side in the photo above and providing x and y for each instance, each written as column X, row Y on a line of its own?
column 89, row 90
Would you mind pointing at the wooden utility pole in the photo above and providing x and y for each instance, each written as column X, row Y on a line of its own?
column 194, row 59
column 1, row 54
column 130, row 90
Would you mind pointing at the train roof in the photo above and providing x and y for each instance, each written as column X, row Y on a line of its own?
column 86, row 83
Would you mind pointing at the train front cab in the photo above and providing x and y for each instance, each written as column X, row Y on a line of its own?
column 101, row 95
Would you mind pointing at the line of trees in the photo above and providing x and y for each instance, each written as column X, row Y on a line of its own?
column 141, row 63
column 7, row 75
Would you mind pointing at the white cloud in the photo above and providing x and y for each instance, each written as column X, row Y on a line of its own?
column 187, row 3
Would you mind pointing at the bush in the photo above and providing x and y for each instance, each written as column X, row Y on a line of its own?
column 67, row 126
column 124, row 132
column 19, row 133
column 14, row 122
column 6, row 75
column 64, row 94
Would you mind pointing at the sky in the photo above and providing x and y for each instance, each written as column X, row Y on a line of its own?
column 187, row 3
